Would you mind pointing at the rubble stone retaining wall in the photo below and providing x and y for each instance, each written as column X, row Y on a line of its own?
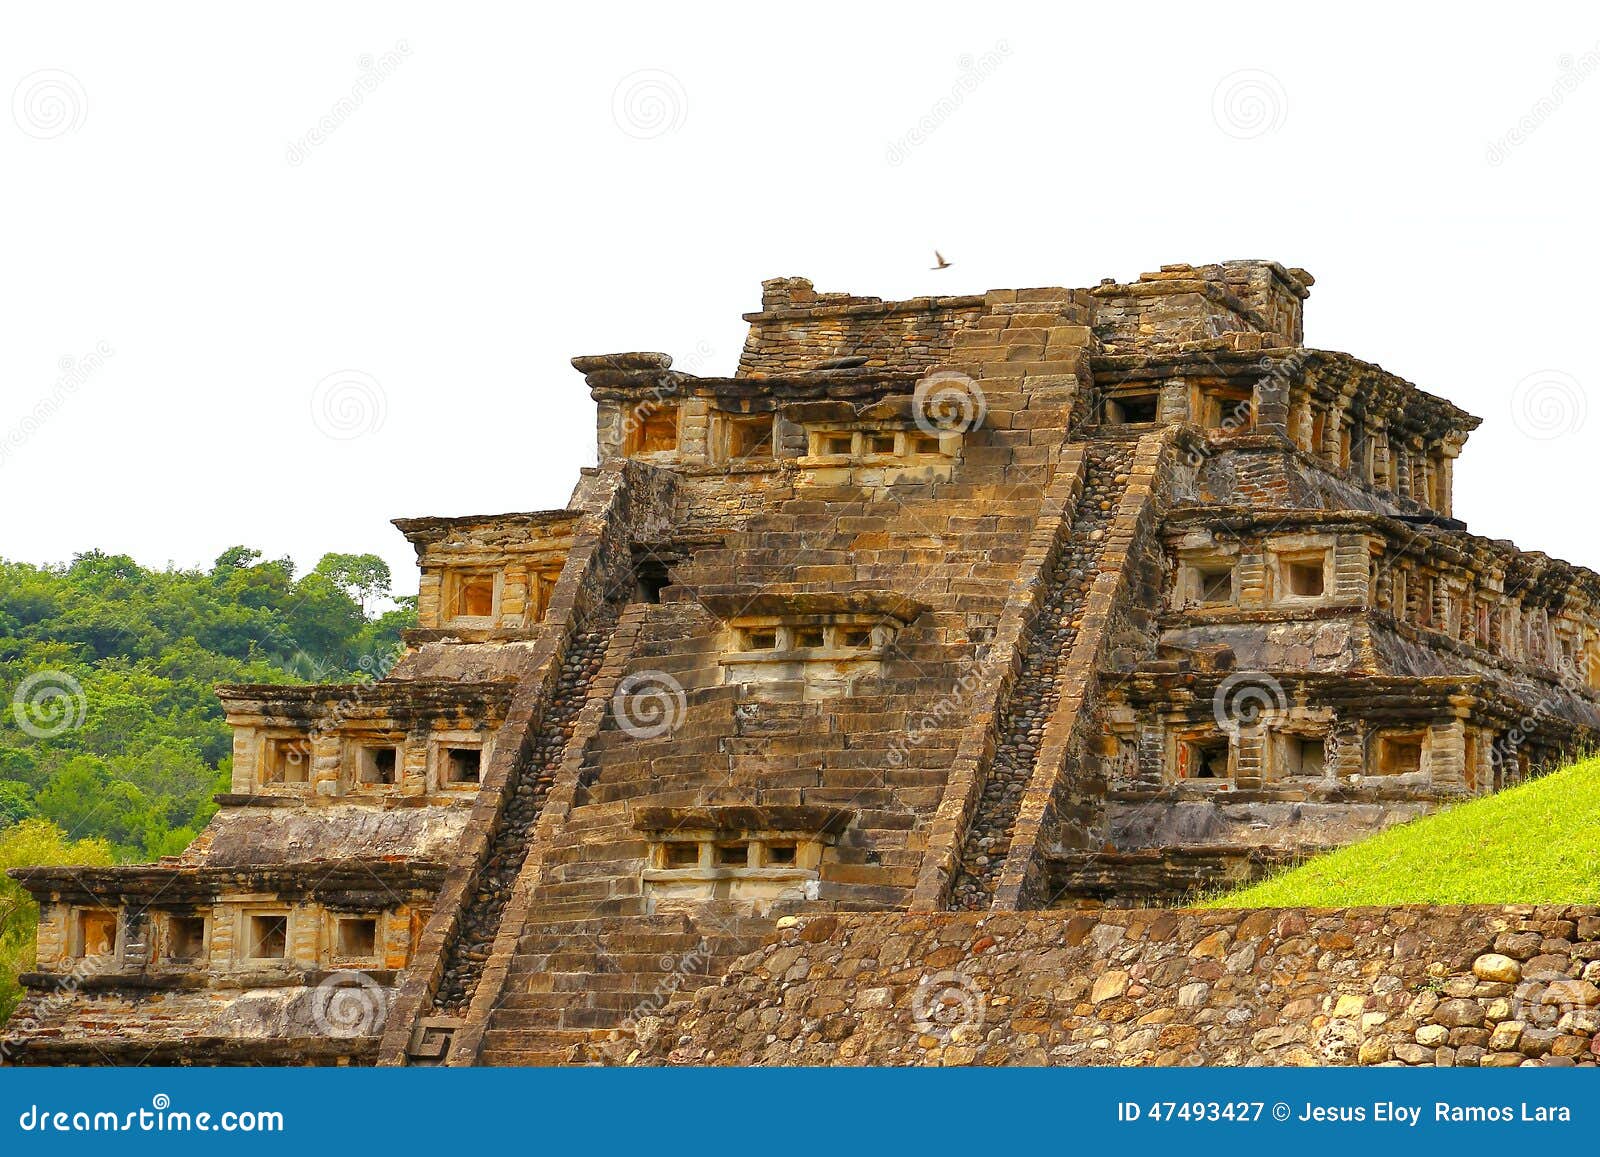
column 1480, row 986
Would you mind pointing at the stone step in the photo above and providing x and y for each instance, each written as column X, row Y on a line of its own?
column 620, row 1001
column 631, row 979
column 530, row 1058
column 597, row 888
column 596, row 845
column 578, row 911
column 571, row 989
column 647, row 930
column 542, row 1046
column 555, row 949
column 621, row 882
column 594, row 815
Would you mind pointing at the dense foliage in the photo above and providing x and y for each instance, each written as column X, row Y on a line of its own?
column 110, row 729
column 111, row 740
column 23, row 845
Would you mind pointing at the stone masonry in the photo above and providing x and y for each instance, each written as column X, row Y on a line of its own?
column 1070, row 601
column 1448, row 986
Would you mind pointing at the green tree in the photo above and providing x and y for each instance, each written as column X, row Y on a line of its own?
column 147, row 743
column 24, row 845
column 143, row 747
column 236, row 557
column 362, row 576
column 16, row 803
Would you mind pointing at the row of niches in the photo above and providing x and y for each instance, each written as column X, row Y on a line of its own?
column 692, row 433
column 1423, row 473
column 248, row 935
column 752, row 869
column 274, row 761
column 1451, row 603
column 1356, row 570
column 1305, row 752
column 486, row 596
column 1215, row 758
column 806, row 657
column 1214, row 407
column 774, row 639
column 1361, row 447
column 1289, row 573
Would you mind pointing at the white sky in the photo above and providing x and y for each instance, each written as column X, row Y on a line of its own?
column 490, row 210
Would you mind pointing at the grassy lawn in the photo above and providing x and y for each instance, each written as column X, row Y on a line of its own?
column 1535, row 844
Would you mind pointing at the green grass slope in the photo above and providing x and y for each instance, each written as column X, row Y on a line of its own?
column 1535, row 844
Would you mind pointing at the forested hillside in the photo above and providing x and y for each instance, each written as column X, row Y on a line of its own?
column 109, row 728
column 111, row 741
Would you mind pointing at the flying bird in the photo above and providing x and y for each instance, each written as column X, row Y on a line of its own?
column 939, row 257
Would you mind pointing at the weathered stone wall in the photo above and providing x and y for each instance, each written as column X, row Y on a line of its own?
column 523, row 554
column 1188, row 303
column 799, row 329
column 626, row 502
column 1474, row 986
